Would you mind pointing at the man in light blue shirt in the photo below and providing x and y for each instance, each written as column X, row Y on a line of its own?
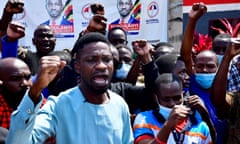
column 88, row 113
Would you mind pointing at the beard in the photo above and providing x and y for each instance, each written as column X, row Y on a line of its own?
column 124, row 13
column 99, row 91
column 13, row 98
column 95, row 89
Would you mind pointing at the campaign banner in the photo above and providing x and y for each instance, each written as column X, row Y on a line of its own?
column 190, row 2
column 142, row 19
column 213, row 5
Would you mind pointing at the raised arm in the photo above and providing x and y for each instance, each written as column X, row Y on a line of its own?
column 150, row 70
column 142, row 49
column 24, row 118
column 9, row 42
column 134, row 72
column 198, row 9
column 218, row 90
column 11, row 7
column 98, row 22
column 49, row 67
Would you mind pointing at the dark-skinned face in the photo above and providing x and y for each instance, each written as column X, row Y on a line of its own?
column 125, row 56
column 206, row 62
column 16, row 79
column 124, row 7
column 170, row 94
column 54, row 8
column 180, row 70
column 44, row 40
column 117, row 37
column 95, row 67
column 220, row 47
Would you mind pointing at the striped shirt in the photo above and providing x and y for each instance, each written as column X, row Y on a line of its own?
column 146, row 124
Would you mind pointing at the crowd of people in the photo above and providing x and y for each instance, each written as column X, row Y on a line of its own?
column 103, row 91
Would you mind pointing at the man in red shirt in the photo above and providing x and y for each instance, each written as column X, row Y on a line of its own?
column 15, row 76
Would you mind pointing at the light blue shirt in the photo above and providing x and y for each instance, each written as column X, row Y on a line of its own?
column 72, row 120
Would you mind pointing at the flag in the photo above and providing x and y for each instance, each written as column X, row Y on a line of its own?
column 136, row 10
column 68, row 10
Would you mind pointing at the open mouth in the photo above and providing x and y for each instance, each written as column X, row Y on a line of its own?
column 101, row 80
column 46, row 46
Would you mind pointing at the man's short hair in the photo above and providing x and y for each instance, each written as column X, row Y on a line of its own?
column 89, row 38
column 117, row 28
column 166, row 63
column 166, row 78
column 123, row 46
column 225, row 38
column 162, row 44
column 40, row 28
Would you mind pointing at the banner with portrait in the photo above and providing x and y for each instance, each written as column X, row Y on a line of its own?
column 145, row 20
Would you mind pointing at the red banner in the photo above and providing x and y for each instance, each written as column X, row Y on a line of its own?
column 190, row 2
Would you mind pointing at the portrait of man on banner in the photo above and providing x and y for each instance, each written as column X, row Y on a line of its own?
column 129, row 15
column 60, row 15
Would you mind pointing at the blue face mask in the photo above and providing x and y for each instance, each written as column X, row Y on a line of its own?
column 220, row 57
column 165, row 111
column 205, row 80
column 122, row 72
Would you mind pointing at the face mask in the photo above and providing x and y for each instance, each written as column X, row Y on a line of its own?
column 165, row 111
column 205, row 80
column 220, row 57
column 122, row 72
